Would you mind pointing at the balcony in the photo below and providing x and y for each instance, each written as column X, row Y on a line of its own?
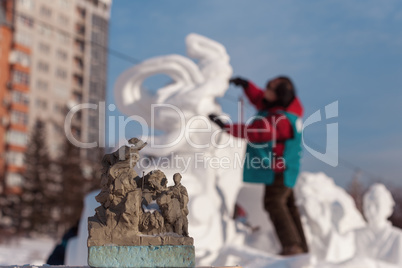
column 81, row 13
column 78, row 81
column 77, row 96
column 78, row 65
column 79, row 46
column 77, row 120
column 20, row 58
column 80, row 29
column 76, row 131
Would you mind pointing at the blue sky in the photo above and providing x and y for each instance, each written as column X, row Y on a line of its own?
column 345, row 51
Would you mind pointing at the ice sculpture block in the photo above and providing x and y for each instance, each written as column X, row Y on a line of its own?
column 197, row 80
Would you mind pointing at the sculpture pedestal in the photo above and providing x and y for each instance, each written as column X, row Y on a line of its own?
column 141, row 256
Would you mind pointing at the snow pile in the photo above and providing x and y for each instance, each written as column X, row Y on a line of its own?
column 26, row 251
column 329, row 216
column 379, row 239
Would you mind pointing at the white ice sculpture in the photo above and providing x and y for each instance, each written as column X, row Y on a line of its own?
column 329, row 215
column 340, row 243
column 193, row 91
column 379, row 239
column 77, row 249
column 187, row 101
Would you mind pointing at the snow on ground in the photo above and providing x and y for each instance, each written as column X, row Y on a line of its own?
column 35, row 251
column 20, row 251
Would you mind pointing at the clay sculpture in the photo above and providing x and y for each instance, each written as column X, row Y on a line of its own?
column 138, row 212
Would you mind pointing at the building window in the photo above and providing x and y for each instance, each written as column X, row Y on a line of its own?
column 100, row 23
column 80, row 45
column 63, row 20
column 61, row 73
column 19, row 57
column 24, row 39
column 15, row 158
column 44, row 48
column 61, row 55
column 81, row 12
column 28, row 4
column 41, row 104
column 42, row 85
column 25, row 20
column 80, row 28
column 76, row 132
column 77, row 97
column 94, row 88
column 63, row 37
column 93, row 122
column 14, row 179
column 78, row 80
column 58, row 108
column 43, row 66
column 58, row 129
column 93, row 100
column 79, row 63
column 44, row 29
column 20, row 78
column 61, row 91
column 19, row 118
column 93, row 136
column 64, row 3
column 17, row 138
column 45, row 11
column 20, row 97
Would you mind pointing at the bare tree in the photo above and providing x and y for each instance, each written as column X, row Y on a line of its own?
column 73, row 184
column 356, row 190
column 37, row 198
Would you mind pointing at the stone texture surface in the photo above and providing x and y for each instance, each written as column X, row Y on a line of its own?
column 138, row 211
column 124, row 240
column 141, row 256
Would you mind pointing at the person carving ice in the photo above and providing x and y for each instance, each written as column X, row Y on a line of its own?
column 273, row 154
column 379, row 239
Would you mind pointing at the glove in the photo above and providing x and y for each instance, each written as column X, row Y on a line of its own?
column 214, row 118
column 239, row 82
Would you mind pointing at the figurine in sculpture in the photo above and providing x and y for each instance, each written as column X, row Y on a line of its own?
column 138, row 211
column 119, row 164
column 179, row 192
column 379, row 239
column 154, row 184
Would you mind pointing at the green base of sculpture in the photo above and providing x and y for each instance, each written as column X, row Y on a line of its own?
column 141, row 256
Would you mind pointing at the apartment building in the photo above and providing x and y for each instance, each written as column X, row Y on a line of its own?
column 53, row 57
column 6, row 35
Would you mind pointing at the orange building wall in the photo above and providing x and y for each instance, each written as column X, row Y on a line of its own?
column 6, row 36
